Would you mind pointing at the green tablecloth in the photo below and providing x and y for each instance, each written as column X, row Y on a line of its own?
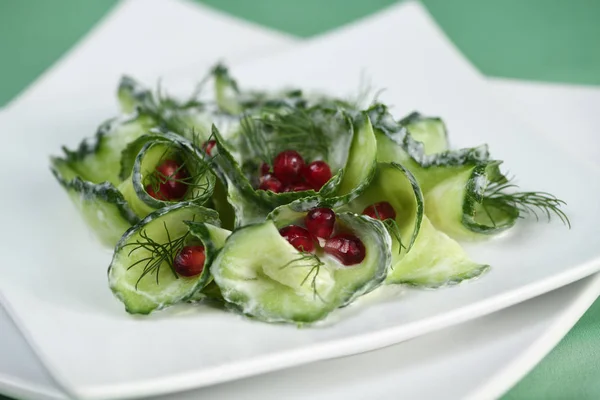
column 546, row 40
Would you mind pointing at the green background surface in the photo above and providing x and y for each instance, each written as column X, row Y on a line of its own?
column 544, row 40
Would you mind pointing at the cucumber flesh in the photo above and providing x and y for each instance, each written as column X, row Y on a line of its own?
column 160, row 286
column 435, row 260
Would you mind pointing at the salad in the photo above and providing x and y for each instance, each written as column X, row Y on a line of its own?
column 282, row 206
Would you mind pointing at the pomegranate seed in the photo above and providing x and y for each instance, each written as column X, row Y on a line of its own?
column 297, row 187
column 298, row 237
column 264, row 169
column 157, row 195
column 271, row 183
column 190, row 261
column 208, row 146
column 381, row 211
column 317, row 173
column 347, row 248
column 320, row 222
column 171, row 176
column 287, row 166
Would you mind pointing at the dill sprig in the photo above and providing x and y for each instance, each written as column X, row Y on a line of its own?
column 159, row 253
column 536, row 203
column 284, row 128
column 256, row 138
column 314, row 264
column 366, row 96
column 394, row 230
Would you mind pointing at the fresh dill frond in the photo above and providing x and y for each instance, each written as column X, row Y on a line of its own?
column 497, row 194
column 313, row 264
column 394, row 230
column 159, row 253
column 366, row 95
column 255, row 138
column 285, row 128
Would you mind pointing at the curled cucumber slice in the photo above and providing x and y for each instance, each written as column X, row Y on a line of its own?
column 91, row 173
column 453, row 181
column 421, row 255
column 267, row 278
column 466, row 195
column 460, row 206
column 140, row 161
column 141, row 273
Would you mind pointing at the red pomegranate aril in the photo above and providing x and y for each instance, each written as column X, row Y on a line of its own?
column 171, row 176
column 208, row 146
column 288, row 166
column 157, row 195
column 190, row 261
column 271, row 183
column 302, row 243
column 347, row 248
column 320, row 222
column 316, row 174
column 381, row 211
column 298, row 237
column 264, row 169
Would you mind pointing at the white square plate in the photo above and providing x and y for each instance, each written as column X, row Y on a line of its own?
column 54, row 274
column 492, row 352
